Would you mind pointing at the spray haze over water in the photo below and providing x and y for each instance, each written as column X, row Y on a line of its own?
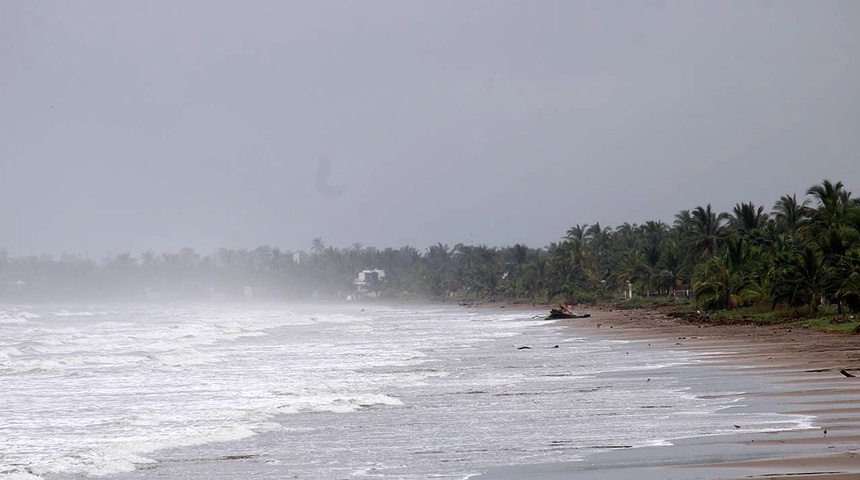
column 146, row 149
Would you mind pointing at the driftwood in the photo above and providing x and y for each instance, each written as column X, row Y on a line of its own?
column 849, row 375
column 556, row 314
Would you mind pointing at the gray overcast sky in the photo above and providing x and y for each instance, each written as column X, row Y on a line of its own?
column 127, row 126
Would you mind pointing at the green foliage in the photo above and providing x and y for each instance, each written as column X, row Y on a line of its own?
column 753, row 314
column 633, row 303
column 828, row 324
column 798, row 261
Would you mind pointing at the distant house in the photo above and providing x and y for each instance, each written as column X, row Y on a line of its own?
column 369, row 282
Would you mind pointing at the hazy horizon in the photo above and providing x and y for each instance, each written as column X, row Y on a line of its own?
column 161, row 125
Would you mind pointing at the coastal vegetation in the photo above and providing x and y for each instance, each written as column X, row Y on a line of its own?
column 798, row 259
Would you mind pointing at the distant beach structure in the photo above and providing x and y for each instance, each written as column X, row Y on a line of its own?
column 368, row 283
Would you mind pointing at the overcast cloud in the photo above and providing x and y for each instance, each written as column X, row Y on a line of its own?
column 127, row 126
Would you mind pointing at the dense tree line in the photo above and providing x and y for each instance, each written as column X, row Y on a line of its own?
column 801, row 253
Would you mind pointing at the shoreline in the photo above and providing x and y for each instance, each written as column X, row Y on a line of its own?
column 803, row 367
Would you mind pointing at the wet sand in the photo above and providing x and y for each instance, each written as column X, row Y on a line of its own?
column 802, row 372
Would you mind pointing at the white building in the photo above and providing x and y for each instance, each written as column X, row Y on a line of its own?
column 369, row 281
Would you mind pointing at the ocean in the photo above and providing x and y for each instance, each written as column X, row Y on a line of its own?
column 345, row 391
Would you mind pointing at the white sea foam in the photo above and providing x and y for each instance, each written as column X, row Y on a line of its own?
column 16, row 316
column 99, row 390
column 66, row 313
column 156, row 364
column 336, row 403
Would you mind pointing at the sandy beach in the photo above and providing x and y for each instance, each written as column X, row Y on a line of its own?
column 803, row 369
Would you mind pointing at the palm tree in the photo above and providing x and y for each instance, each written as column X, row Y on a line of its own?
column 440, row 269
column 147, row 258
column 746, row 219
column 485, row 274
column 577, row 233
column 632, row 268
column 318, row 247
column 596, row 234
column 789, row 215
column 673, row 268
column 574, row 250
column 519, row 254
column 708, row 230
column 625, row 236
column 834, row 203
column 567, row 269
column 535, row 278
column 832, row 229
column 600, row 251
column 722, row 281
column 683, row 223
column 849, row 292
column 844, row 282
column 798, row 274
column 654, row 233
